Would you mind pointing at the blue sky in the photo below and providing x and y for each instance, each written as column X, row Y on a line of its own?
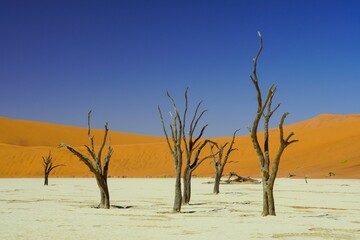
column 59, row 59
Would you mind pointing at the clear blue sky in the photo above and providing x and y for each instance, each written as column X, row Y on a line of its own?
column 59, row 59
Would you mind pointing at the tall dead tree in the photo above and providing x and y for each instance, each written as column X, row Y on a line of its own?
column 175, row 147
column 268, row 177
column 94, row 163
column 220, row 160
column 48, row 167
column 179, row 143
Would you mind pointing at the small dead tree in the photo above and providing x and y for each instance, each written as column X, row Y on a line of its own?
column 180, row 143
column 268, row 178
column 99, row 169
column 220, row 160
column 48, row 167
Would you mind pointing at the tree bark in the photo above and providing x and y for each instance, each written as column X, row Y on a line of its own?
column 268, row 198
column 104, row 192
column 187, row 185
column 178, row 195
column 46, row 176
column 217, row 182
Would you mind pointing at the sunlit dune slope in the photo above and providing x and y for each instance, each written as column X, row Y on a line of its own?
column 327, row 143
column 30, row 133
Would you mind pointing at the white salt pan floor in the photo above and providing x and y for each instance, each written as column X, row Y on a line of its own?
column 319, row 209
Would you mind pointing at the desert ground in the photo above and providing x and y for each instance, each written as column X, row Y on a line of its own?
column 141, row 209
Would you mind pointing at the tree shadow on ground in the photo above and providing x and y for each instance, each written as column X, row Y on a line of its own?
column 116, row 206
column 196, row 204
column 121, row 207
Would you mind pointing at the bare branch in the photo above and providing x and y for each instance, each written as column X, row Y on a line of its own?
column 201, row 133
column 175, row 110
column 286, row 141
column 196, row 161
column 254, row 77
column 232, row 143
column 92, row 154
column 103, row 143
column 81, row 157
column 91, row 138
column 187, row 150
column 195, row 119
column 164, row 130
column 281, row 129
column 107, row 158
column 59, row 165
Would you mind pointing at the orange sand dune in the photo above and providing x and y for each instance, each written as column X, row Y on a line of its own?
column 328, row 143
column 29, row 133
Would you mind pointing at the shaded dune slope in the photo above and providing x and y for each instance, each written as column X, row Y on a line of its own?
column 328, row 143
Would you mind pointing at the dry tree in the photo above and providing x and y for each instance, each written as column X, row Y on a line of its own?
column 95, row 164
column 193, row 147
column 265, row 112
column 48, row 167
column 220, row 160
column 175, row 149
column 181, row 142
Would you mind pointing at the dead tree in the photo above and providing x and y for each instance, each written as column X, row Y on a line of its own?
column 175, row 149
column 235, row 178
column 220, row 160
column 48, row 167
column 94, row 163
column 193, row 147
column 182, row 142
column 192, row 162
column 268, row 177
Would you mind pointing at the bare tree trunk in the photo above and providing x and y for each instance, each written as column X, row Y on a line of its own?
column 268, row 198
column 271, row 201
column 187, row 185
column 217, row 182
column 104, row 192
column 46, row 176
column 178, row 195
column 178, row 166
column 218, row 175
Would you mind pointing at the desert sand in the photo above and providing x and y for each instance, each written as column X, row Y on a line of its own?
column 328, row 143
column 319, row 209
